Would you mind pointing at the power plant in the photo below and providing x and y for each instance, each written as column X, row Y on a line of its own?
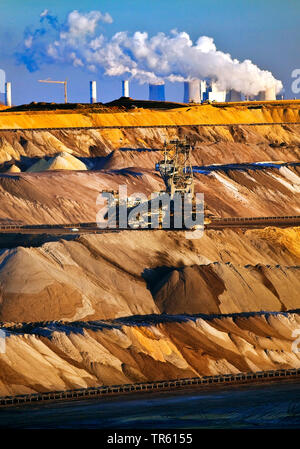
column 195, row 91
column 214, row 94
column 157, row 92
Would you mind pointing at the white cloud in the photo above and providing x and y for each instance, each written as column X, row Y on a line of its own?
column 28, row 41
column 44, row 13
column 173, row 57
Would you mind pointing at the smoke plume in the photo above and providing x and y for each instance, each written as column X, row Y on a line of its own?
column 173, row 56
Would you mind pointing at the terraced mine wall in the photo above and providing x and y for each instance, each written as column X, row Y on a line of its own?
column 66, row 196
column 109, row 275
column 225, row 134
column 141, row 353
column 191, row 115
column 213, row 144
column 134, row 307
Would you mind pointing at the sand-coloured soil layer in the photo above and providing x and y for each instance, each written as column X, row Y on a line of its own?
column 57, row 356
column 191, row 115
column 62, row 161
column 71, row 196
column 114, row 275
column 212, row 144
column 129, row 276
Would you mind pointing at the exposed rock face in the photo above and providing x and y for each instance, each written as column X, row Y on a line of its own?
column 58, row 356
column 113, row 275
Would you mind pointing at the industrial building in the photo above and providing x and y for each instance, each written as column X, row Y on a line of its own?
column 195, row 91
column 157, row 92
column 212, row 93
column 203, row 87
column 233, row 95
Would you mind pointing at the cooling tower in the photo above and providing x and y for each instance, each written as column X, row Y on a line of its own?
column 8, row 94
column 125, row 88
column 267, row 95
column 270, row 94
column 191, row 91
column 93, row 92
column 157, row 92
column 234, row 95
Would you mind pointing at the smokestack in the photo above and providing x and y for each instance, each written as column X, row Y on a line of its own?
column 8, row 94
column 234, row 95
column 191, row 91
column 93, row 92
column 157, row 92
column 125, row 88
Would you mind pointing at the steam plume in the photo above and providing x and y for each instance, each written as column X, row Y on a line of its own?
column 173, row 56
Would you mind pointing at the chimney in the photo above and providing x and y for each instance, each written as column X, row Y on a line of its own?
column 157, row 92
column 125, row 88
column 8, row 94
column 191, row 91
column 93, row 92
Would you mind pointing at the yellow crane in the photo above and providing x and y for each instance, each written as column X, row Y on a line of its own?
column 57, row 82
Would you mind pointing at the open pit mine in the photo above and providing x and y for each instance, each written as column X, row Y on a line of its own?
column 80, row 307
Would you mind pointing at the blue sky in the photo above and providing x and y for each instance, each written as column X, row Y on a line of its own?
column 267, row 32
